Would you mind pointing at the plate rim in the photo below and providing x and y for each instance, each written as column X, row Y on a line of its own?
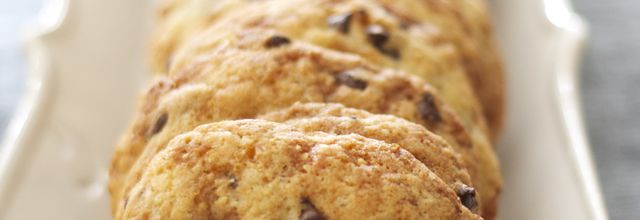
column 574, row 32
column 30, row 107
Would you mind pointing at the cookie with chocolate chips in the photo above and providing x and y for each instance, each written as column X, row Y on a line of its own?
column 427, row 147
column 283, row 173
column 238, row 77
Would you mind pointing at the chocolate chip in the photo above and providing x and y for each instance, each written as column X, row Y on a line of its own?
column 309, row 211
column 277, row 41
column 233, row 182
column 125, row 202
column 345, row 78
column 467, row 196
column 342, row 22
column 160, row 123
column 393, row 53
column 377, row 35
column 428, row 109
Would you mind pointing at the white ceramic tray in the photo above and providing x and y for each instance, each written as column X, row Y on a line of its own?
column 87, row 67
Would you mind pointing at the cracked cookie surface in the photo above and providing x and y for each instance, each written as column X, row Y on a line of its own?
column 255, row 169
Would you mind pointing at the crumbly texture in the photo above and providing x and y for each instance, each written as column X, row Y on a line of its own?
column 439, row 40
column 254, row 169
column 255, row 71
column 427, row 147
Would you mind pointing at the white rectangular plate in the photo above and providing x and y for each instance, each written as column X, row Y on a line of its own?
column 87, row 67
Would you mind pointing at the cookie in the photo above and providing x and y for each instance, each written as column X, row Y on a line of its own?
column 254, row 169
column 257, row 71
column 427, row 147
column 445, row 42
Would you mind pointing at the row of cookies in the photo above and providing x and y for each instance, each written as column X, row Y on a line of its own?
column 262, row 57
column 386, row 33
column 434, row 39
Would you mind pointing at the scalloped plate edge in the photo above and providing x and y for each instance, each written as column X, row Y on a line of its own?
column 28, row 111
column 574, row 30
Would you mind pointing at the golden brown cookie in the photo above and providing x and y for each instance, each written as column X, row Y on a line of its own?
column 437, row 40
column 254, row 169
column 257, row 71
column 427, row 147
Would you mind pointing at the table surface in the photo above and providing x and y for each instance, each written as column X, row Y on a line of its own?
column 610, row 79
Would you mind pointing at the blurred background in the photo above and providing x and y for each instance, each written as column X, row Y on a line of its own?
column 610, row 89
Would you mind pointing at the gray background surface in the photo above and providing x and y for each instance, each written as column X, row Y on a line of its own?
column 611, row 89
